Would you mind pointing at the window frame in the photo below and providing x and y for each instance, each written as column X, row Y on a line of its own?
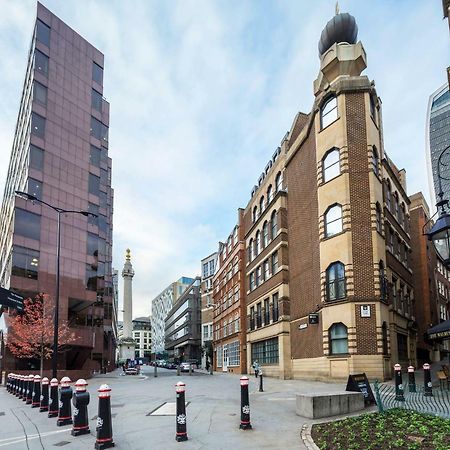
column 327, row 223
column 325, row 168
column 329, row 99
column 337, row 282
column 337, row 339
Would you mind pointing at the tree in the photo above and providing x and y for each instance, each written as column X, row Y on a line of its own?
column 30, row 334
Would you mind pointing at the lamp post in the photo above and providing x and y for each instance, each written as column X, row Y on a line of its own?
column 58, row 211
column 439, row 233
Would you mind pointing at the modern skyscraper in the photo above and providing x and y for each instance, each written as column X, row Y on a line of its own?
column 60, row 155
column 437, row 139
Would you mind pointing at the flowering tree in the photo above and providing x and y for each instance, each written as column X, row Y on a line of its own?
column 30, row 335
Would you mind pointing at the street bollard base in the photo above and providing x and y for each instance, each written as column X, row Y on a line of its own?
column 43, row 409
column 63, row 422
column 53, row 414
column 245, row 426
column 400, row 398
column 428, row 394
column 102, row 445
column 80, row 431
column 181, row 437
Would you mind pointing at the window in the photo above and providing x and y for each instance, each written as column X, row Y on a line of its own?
column 328, row 112
column 258, row 276
column 378, row 218
column 92, row 245
column 234, row 353
column 266, row 274
column 338, row 339
column 391, row 240
column 255, row 213
column 333, row 220
column 278, row 182
column 27, row 224
column 219, row 356
column 97, row 73
column 94, row 184
column 383, row 281
column 43, row 33
column 274, row 263
column 388, row 195
column 375, row 161
column 265, row 234
column 261, row 204
column 384, row 338
column 37, row 125
column 91, row 278
column 275, row 307
column 41, row 62
column 269, row 194
column 250, row 250
column 402, row 347
column 25, row 262
column 34, row 188
column 257, row 243
column 39, row 93
column 331, row 167
column 335, row 277
column 36, row 157
column 258, row 315
column 394, row 292
column 93, row 208
column 373, row 109
column 396, row 204
column 96, row 128
column 252, row 281
column 266, row 312
column 274, row 224
column 95, row 156
column 252, row 318
column 265, row 352
column 96, row 100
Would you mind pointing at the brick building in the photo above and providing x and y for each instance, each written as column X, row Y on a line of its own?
column 431, row 282
column 266, row 270
column 229, row 331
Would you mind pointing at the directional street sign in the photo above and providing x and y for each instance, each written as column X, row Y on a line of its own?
column 11, row 299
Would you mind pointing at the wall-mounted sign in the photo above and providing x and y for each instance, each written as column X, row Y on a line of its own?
column 11, row 299
column 302, row 326
column 365, row 310
column 313, row 318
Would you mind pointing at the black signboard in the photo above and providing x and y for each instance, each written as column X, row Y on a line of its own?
column 360, row 383
column 11, row 300
column 313, row 318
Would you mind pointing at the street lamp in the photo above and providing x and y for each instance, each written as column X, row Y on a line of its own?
column 440, row 231
column 58, row 211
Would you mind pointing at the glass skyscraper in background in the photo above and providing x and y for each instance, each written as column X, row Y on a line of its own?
column 437, row 139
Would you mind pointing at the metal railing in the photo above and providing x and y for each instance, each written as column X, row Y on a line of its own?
column 438, row 404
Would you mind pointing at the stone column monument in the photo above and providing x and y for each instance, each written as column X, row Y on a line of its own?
column 127, row 344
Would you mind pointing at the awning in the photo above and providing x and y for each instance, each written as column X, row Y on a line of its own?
column 440, row 331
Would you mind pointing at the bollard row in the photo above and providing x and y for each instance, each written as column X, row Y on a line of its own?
column 399, row 391
column 45, row 395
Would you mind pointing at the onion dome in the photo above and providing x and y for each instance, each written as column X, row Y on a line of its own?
column 341, row 28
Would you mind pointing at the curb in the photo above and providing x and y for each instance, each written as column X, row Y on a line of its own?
column 306, row 437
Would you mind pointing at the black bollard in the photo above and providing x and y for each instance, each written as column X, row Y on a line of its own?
column 261, row 389
column 411, row 379
column 9, row 382
column 181, row 429
column 53, row 401
column 104, row 423
column 29, row 397
column 80, row 402
column 43, row 406
column 36, row 397
column 65, row 407
column 399, row 396
column 428, row 386
column 245, row 405
column 14, row 384
column 20, row 388
column 23, row 396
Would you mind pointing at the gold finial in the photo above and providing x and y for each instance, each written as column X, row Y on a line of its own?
column 337, row 8
column 128, row 255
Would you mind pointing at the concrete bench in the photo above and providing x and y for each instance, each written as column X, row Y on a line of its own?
column 316, row 406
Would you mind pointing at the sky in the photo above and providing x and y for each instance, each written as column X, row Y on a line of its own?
column 202, row 93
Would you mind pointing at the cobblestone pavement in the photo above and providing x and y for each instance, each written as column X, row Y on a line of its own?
column 213, row 414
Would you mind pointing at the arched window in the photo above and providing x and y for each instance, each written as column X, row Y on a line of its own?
column 269, row 194
column 379, row 220
column 250, row 250
column 403, row 216
column 388, row 195
column 278, row 182
column 328, row 112
column 255, row 213
column 261, row 204
column 335, row 281
column 274, row 224
column 331, row 167
column 333, row 220
column 375, row 160
column 396, row 205
column 338, row 339
column 265, row 234
column 257, row 243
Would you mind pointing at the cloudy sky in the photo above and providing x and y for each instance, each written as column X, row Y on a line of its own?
column 202, row 93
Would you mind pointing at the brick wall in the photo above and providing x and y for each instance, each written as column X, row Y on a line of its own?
column 366, row 335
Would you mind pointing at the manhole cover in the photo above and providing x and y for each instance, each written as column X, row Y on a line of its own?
column 60, row 444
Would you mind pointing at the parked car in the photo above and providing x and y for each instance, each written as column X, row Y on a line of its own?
column 184, row 367
column 132, row 371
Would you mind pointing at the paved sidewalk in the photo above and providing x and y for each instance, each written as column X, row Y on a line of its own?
column 213, row 414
